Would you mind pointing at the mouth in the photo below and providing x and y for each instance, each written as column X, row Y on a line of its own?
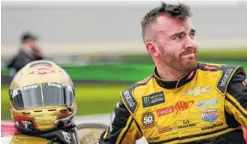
column 189, row 55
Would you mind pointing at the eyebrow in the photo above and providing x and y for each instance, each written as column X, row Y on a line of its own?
column 176, row 34
column 193, row 30
column 181, row 32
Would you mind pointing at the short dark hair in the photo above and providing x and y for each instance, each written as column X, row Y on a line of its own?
column 28, row 36
column 173, row 10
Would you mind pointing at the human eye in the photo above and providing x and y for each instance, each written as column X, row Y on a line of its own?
column 192, row 35
column 178, row 37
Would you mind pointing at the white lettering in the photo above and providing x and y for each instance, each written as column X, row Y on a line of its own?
column 42, row 71
column 30, row 87
column 226, row 76
column 55, row 85
column 129, row 99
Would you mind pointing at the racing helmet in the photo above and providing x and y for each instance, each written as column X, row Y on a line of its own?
column 42, row 98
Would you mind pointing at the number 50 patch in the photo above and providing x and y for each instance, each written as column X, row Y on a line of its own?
column 148, row 119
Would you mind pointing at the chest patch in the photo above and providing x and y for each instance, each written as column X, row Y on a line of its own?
column 153, row 99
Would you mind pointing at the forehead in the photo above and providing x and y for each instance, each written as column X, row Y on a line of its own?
column 28, row 41
column 168, row 24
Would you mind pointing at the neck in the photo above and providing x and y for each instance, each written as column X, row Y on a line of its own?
column 167, row 73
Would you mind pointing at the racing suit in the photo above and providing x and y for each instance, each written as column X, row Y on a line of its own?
column 206, row 106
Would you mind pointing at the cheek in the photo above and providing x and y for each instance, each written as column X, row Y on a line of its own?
column 173, row 50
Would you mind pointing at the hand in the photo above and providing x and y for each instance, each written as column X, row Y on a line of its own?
column 37, row 51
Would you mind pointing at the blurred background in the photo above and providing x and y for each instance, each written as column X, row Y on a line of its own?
column 99, row 43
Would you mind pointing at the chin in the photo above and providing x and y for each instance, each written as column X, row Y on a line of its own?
column 189, row 66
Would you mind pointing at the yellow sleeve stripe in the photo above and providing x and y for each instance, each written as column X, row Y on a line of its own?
column 236, row 104
column 105, row 135
column 124, row 131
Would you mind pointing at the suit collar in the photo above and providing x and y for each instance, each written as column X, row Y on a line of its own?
column 174, row 84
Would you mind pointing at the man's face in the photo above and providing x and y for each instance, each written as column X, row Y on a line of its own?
column 175, row 44
column 30, row 43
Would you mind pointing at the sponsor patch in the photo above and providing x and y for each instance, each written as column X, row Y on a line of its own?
column 26, row 124
column 245, row 82
column 179, row 106
column 210, row 67
column 197, row 91
column 207, row 103
column 42, row 71
column 153, row 99
column 129, row 100
column 165, row 129
column 45, row 120
column 186, row 124
column 226, row 76
column 66, row 136
column 30, row 87
column 148, row 119
column 209, row 115
column 54, row 85
column 213, row 126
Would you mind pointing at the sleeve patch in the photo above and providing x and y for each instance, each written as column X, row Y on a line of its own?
column 228, row 72
column 129, row 100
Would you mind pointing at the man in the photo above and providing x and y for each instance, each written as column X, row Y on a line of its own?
column 28, row 52
column 183, row 101
column 42, row 105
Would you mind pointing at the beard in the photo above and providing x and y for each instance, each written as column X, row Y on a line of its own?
column 186, row 61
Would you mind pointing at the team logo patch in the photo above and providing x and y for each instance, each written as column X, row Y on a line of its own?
column 202, row 104
column 153, row 99
column 197, row 91
column 179, row 106
column 148, row 119
column 209, row 115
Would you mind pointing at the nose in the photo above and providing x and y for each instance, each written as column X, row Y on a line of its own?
column 190, row 43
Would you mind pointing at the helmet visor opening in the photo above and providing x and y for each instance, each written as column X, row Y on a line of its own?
column 40, row 95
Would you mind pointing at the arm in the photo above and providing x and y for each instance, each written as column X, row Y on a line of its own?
column 236, row 97
column 123, row 128
column 12, row 62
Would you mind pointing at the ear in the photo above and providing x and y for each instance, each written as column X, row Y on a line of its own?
column 152, row 49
